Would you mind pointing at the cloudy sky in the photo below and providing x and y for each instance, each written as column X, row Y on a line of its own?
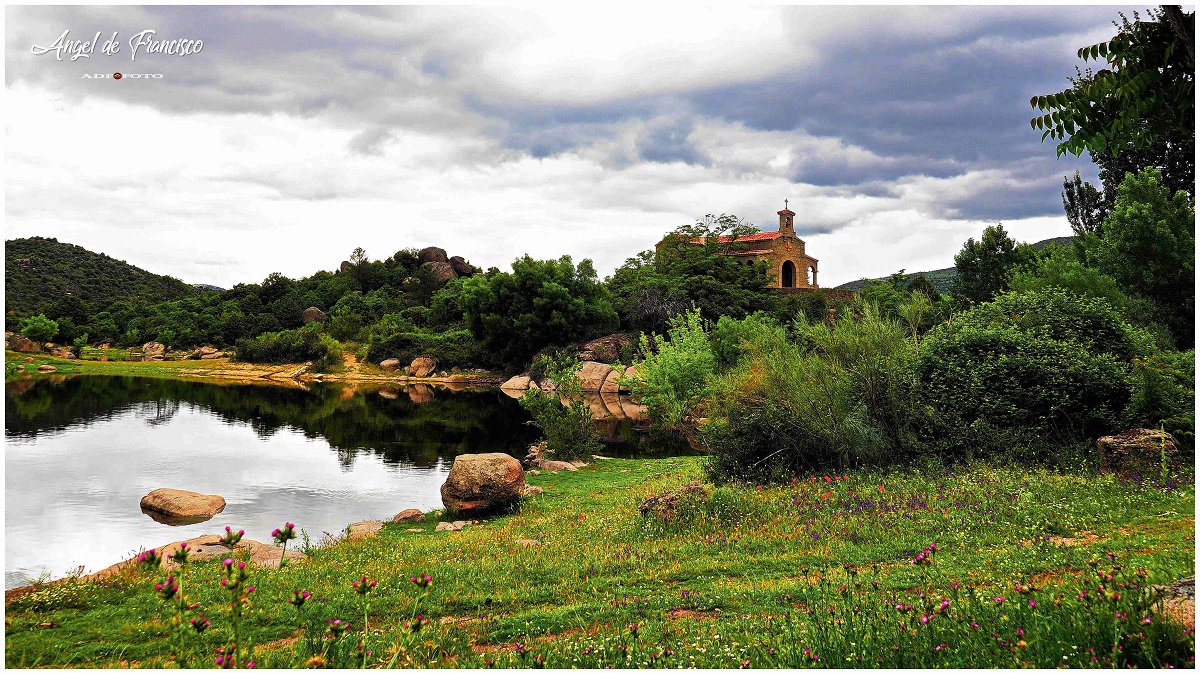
column 299, row 133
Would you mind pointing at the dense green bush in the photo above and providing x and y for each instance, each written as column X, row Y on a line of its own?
column 834, row 398
column 675, row 371
column 1164, row 395
column 291, row 346
column 731, row 338
column 39, row 328
column 563, row 415
column 542, row 302
column 452, row 349
column 1028, row 372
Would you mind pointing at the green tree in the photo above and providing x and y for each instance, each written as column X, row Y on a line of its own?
column 541, row 303
column 1149, row 246
column 39, row 328
column 1145, row 90
column 692, row 266
column 984, row 267
column 1084, row 205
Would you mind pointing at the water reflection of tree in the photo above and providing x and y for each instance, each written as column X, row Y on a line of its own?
column 398, row 430
column 158, row 412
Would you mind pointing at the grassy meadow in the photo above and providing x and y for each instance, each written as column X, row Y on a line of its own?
column 982, row 566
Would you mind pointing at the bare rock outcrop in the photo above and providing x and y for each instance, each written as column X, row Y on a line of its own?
column 390, row 365
column 433, row 254
column 461, row 266
column 442, row 270
column 312, row 314
column 422, row 366
column 480, row 483
column 151, row 349
column 592, row 376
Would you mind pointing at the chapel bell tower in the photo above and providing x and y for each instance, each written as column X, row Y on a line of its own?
column 786, row 227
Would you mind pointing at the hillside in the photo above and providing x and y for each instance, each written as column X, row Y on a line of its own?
column 38, row 271
column 942, row 278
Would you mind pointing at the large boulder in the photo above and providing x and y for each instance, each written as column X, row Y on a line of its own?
column 179, row 506
column 517, row 383
column 593, row 375
column 605, row 349
column 1140, row 450
column 442, row 270
column 433, row 254
column 23, row 344
column 461, row 266
column 480, row 483
column 47, row 368
column 153, row 349
column 345, row 266
column 420, row 394
column 422, row 366
column 312, row 314
column 389, row 365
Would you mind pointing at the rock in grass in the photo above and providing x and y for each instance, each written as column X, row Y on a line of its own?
column 47, row 368
column 179, row 506
column 409, row 515
column 555, row 466
column 1139, row 450
column 531, row 490
column 364, row 530
column 482, row 483
column 669, row 505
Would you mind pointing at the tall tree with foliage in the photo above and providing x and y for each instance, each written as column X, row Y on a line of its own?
column 541, row 303
column 1149, row 246
column 1084, row 205
column 1145, row 90
column 984, row 267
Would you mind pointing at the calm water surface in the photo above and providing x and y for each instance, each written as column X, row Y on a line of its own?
column 80, row 453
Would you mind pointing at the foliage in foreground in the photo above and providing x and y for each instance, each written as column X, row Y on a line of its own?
column 1024, row 571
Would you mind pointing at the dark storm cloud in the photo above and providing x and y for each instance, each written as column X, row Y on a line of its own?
column 934, row 93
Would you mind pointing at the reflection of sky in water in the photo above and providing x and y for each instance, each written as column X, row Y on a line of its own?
column 71, row 497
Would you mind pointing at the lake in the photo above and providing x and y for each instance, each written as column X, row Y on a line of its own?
column 82, row 451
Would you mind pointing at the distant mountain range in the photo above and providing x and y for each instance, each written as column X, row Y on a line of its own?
column 942, row 278
column 39, row 271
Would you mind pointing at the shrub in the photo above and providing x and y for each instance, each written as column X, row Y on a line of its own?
column 452, row 349
column 291, row 346
column 731, row 337
column 675, row 375
column 1164, row 395
column 1027, row 373
column 39, row 328
column 835, row 398
column 568, row 426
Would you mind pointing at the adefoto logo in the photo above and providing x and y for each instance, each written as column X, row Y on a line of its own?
column 121, row 76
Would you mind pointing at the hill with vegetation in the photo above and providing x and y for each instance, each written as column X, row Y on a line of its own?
column 942, row 278
column 39, row 271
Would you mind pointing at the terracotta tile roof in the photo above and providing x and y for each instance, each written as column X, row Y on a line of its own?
column 760, row 236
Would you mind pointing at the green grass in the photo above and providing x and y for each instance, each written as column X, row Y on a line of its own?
column 766, row 577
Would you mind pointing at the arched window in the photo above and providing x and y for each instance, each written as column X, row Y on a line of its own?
column 787, row 275
column 812, row 276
